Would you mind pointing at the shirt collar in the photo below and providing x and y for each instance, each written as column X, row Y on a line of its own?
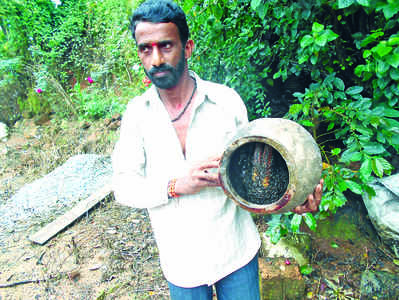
column 202, row 91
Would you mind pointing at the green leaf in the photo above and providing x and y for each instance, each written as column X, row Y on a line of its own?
column 393, row 60
column 302, row 59
column 377, row 168
column 367, row 53
column 380, row 165
column 188, row 4
column 347, row 155
column 359, row 70
column 334, row 245
column 310, row 221
column 382, row 67
column 255, row 4
column 392, row 125
column 354, row 187
column 330, row 35
column 365, row 3
column 317, row 27
column 393, row 40
column 306, row 269
column 357, row 156
column 339, row 199
column 390, row 112
column 345, row 3
column 372, row 148
column 296, row 222
column 313, row 59
column 365, row 131
column 321, row 40
column 354, row 90
column 366, row 169
column 295, row 109
column 339, row 83
column 390, row 9
column 382, row 49
column 394, row 73
column 335, row 151
column 342, row 186
column 306, row 41
column 371, row 38
column 262, row 11
column 306, row 123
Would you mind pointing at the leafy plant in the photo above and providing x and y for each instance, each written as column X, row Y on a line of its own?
column 52, row 47
column 329, row 65
column 337, row 291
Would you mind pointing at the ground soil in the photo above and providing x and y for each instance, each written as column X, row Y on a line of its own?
column 110, row 252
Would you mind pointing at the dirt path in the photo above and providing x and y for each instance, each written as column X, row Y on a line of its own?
column 110, row 252
column 99, row 257
column 107, row 254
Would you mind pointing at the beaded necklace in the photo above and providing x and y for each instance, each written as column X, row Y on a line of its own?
column 187, row 104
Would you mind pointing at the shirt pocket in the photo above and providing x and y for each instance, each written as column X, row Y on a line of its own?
column 210, row 135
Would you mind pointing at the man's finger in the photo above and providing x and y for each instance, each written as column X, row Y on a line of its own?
column 312, row 203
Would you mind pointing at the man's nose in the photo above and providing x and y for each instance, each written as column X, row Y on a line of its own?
column 157, row 58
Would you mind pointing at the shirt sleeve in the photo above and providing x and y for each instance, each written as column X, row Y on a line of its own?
column 130, row 183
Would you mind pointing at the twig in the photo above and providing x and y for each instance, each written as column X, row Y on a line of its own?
column 23, row 282
column 12, row 284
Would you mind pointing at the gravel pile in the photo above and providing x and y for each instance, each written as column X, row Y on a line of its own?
column 58, row 191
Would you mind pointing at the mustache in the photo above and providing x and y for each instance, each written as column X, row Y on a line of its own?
column 161, row 68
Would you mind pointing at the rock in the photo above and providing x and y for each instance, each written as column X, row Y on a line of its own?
column 85, row 125
column 58, row 191
column 383, row 209
column 107, row 121
column 3, row 149
column 293, row 247
column 42, row 119
column 10, row 93
column 117, row 117
column 279, row 266
column 3, row 132
column 385, row 285
column 27, row 127
column 115, row 125
column 280, row 281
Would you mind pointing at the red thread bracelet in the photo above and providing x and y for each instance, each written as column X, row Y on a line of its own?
column 171, row 189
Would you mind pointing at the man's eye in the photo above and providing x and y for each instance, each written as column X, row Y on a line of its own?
column 166, row 46
column 144, row 49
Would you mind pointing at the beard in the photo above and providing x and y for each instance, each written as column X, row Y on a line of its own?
column 172, row 76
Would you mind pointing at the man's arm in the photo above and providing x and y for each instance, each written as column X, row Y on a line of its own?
column 130, row 184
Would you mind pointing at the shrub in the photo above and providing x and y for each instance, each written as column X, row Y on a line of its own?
column 329, row 65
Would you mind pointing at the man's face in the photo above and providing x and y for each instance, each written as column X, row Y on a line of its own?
column 161, row 52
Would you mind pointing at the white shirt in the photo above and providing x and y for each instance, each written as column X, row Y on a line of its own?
column 202, row 237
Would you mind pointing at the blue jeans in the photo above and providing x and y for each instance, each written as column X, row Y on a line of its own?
column 242, row 284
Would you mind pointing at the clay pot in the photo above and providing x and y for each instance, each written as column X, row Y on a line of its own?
column 270, row 166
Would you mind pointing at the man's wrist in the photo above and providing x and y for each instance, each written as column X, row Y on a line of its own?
column 172, row 189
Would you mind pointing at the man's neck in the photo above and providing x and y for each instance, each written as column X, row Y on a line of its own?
column 178, row 95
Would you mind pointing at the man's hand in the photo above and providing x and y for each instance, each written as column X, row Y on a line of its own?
column 200, row 175
column 312, row 201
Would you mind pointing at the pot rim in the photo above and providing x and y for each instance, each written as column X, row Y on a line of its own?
column 226, row 183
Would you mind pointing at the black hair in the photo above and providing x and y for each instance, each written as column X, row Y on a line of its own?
column 161, row 11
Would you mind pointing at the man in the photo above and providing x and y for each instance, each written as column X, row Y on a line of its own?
column 170, row 144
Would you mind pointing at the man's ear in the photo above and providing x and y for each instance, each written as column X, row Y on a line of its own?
column 188, row 49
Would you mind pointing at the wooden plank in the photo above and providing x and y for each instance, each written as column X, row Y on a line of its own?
column 51, row 229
